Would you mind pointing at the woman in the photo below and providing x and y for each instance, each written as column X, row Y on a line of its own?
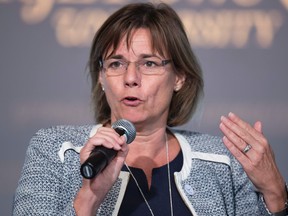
column 143, row 70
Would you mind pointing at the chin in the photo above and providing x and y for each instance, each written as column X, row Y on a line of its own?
column 134, row 118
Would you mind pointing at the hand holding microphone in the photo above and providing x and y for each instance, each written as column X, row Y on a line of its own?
column 101, row 156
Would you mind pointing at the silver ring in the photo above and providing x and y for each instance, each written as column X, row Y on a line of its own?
column 247, row 148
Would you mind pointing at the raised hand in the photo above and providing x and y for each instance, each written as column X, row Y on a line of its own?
column 93, row 191
column 251, row 148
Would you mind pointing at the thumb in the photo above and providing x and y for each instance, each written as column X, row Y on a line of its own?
column 258, row 126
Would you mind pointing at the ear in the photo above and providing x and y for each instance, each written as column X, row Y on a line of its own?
column 179, row 82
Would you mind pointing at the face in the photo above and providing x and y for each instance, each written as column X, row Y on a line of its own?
column 138, row 97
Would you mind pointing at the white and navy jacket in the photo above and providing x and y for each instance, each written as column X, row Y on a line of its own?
column 211, row 181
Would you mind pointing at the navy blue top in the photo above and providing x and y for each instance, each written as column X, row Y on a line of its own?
column 158, row 196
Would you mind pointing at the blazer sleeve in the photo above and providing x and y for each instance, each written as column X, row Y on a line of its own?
column 247, row 200
column 42, row 189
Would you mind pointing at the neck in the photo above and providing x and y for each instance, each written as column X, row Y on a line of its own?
column 148, row 152
column 147, row 146
column 149, row 178
column 150, row 141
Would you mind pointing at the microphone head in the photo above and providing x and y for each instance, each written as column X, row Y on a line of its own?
column 128, row 128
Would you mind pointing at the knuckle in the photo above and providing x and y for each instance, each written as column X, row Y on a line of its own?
column 249, row 168
column 263, row 147
column 255, row 163
column 265, row 143
column 257, row 160
column 238, row 154
column 243, row 135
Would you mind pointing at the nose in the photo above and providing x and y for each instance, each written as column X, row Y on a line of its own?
column 132, row 77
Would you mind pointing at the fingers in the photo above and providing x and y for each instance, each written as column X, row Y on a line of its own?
column 106, row 137
column 258, row 126
column 255, row 132
column 236, row 145
column 245, row 142
column 241, row 133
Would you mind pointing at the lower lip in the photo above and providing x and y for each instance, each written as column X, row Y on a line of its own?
column 131, row 102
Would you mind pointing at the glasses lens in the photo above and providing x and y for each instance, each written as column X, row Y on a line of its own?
column 147, row 66
column 151, row 66
column 114, row 67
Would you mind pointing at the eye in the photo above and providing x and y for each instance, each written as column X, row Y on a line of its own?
column 151, row 63
column 115, row 64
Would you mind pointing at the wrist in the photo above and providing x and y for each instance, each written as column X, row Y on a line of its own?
column 85, row 203
column 284, row 211
column 275, row 199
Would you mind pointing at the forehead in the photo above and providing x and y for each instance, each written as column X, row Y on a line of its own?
column 138, row 41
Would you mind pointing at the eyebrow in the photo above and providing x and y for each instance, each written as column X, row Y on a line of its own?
column 141, row 56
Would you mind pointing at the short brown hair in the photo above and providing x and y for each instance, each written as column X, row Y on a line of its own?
column 168, row 36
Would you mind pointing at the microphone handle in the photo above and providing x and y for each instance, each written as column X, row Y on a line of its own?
column 99, row 158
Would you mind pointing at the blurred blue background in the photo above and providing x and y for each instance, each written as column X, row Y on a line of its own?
column 44, row 47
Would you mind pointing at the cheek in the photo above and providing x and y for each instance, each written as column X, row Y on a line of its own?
column 161, row 92
column 110, row 85
column 112, row 90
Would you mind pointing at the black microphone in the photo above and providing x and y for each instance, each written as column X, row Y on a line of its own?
column 101, row 156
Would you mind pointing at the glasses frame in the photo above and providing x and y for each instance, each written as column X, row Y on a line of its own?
column 126, row 64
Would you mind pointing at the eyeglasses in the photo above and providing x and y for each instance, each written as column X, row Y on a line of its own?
column 147, row 66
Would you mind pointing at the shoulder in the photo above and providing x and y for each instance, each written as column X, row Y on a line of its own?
column 201, row 142
column 63, row 132
column 50, row 139
column 66, row 129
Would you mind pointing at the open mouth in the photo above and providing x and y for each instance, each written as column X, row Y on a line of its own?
column 131, row 98
column 131, row 101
